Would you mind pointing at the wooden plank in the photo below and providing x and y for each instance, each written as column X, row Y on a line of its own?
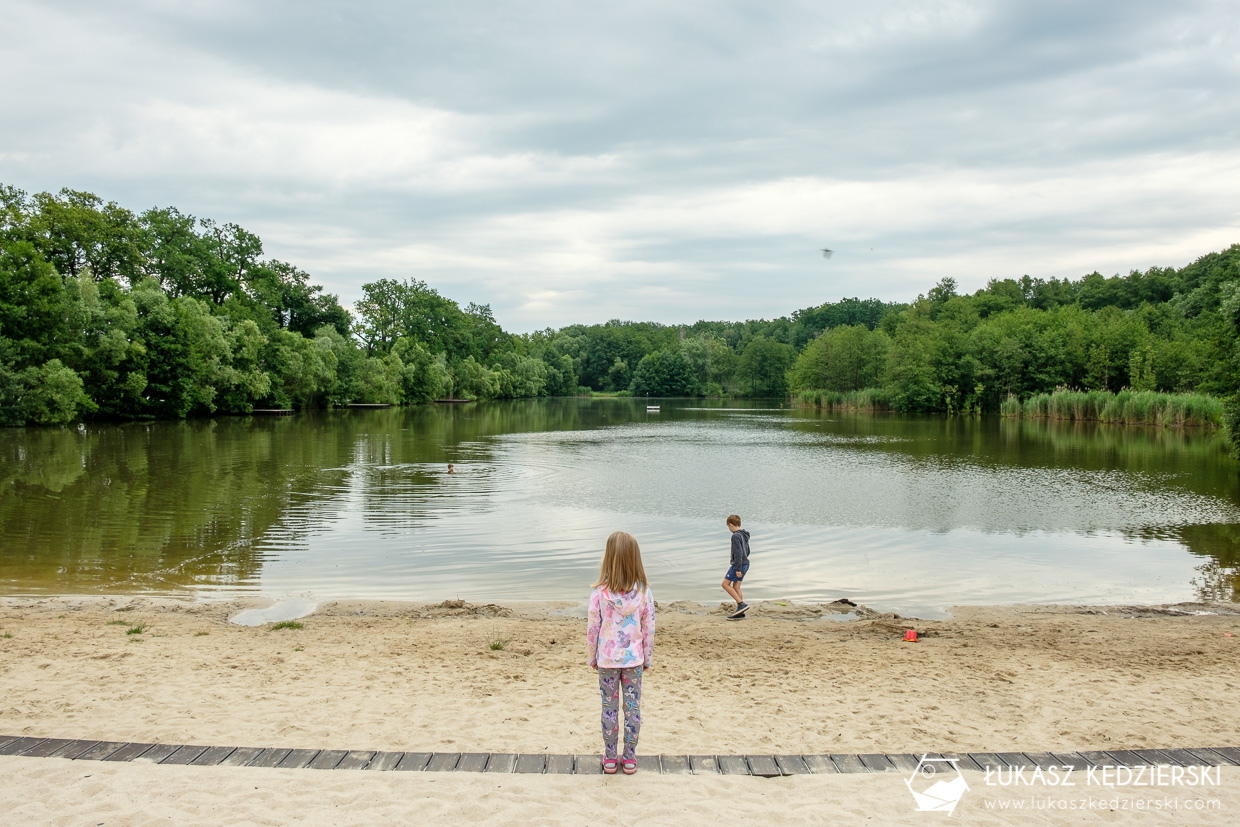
column 158, row 753
column 443, row 762
column 269, row 757
column 988, row 760
column 1072, row 759
column 413, row 761
column 676, row 765
column 791, row 765
column 1016, row 759
column 1154, row 756
column 584, row 765
column 298, row 759
column 46, row 747
column 73, row 749
column 559, row 765
column 212, row 756
column 876, row 762
column 1230, row 753
column 1043, row 760
column 355, row 760
column 5, row 740
column 472, row 762
column 1183, row 757
column 646, row 763
column 241, row 757
column 100, row 751
column 1169, row 756
column 964, row 760
column 1210, row 758
column 128, row 752
column 532, row 763
column 20, row 745
column 820, row 764
column 732, row 765
column 1130, row 758
column 184, row 755
column 1098, row 758
column 763, row 766
column 328, row 759
column 846, row 762
column 506, row 762
column 385, row 761
column 703, row 765
column 903, row 761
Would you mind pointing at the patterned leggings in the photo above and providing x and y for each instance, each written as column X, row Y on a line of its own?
column 610, row 682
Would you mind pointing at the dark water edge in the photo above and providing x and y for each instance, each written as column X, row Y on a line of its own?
column 911, row 513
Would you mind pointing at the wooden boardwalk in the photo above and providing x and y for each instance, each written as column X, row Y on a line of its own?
column 765, row 766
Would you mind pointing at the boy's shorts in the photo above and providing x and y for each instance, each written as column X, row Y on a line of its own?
column 732, row 576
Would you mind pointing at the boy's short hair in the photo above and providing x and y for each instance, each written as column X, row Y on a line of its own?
column 734, row 520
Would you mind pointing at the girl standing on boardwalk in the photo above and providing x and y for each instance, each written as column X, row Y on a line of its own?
column 620, row 636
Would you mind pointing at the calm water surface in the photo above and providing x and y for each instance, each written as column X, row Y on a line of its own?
column 903, row 514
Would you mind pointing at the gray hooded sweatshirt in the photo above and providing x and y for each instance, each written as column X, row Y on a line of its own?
column 740, row 548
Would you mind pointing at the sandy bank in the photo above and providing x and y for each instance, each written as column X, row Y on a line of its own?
column 401, row 676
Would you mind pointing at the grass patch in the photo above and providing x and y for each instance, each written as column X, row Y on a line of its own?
column 299, row 648
column 286, row 624
column 7, row 635
column 498, row 644
column 118, row 622
column 137, row 630
column 200, row 634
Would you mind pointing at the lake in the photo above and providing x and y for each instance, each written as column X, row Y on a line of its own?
column 904, row 514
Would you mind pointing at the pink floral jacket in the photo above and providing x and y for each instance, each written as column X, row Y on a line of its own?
column 620, row 633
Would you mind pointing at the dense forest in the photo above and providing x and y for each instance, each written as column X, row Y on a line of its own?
column 110, row 314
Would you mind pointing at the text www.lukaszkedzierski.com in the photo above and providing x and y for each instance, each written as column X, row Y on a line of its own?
column 1114, row 803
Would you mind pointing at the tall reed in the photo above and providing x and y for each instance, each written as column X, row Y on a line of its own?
column 866, row 399
column 1123, row 408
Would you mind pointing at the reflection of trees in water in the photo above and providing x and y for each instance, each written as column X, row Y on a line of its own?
column 158, row 504
column 400, row 456
column 1219, row 543
column 1197, row 458
column 173, row 504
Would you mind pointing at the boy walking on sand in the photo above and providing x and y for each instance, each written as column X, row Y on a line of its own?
column 738, row 568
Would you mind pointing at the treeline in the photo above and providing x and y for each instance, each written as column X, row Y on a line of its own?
column 107, row 313
column 1167, row 330
column 110, row 314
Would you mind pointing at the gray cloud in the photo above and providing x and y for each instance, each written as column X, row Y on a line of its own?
column 573, row 163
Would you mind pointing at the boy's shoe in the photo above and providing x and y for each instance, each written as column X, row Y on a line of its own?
column 741, row 608
column 737, row 616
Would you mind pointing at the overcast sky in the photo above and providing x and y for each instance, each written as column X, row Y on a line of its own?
column 575, row 162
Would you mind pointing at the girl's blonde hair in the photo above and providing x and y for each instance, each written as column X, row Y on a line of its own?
column 622, row 564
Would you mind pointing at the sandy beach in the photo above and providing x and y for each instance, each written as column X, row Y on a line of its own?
column 789, row 679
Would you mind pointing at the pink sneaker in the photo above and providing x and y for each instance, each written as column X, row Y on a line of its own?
column 630, row 767
column 609, row 766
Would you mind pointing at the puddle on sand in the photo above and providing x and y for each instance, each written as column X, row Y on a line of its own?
column 289, row 609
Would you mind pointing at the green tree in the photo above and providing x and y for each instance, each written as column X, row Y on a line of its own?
column 664, row 373
column 763, row 367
